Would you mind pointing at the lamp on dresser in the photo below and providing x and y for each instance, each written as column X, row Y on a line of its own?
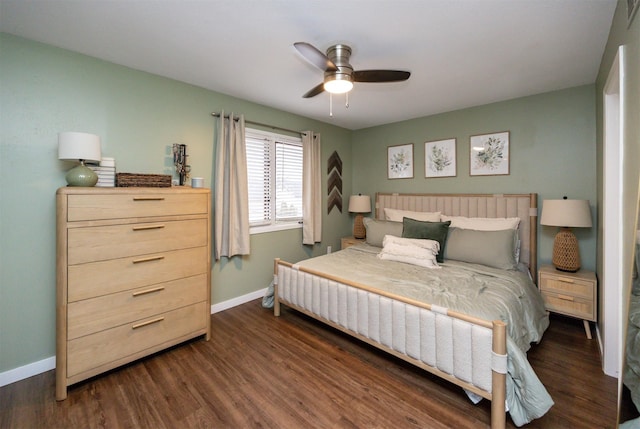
column 566, row 214
column 79, row 147
column 359, row 204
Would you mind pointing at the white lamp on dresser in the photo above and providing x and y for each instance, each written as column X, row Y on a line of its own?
column 79, row 147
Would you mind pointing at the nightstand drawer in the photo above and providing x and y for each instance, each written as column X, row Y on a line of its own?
column 569, row 305
column 567, row 286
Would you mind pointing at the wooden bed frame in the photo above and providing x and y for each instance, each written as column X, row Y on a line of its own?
column 290, row 281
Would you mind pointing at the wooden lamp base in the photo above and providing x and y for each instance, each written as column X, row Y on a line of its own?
column 359, row 230
column 566, row 254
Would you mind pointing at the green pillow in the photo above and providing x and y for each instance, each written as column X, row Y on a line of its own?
column 437, row 231
column 491, row 248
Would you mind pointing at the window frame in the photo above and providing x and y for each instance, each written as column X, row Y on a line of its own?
column 274, row 139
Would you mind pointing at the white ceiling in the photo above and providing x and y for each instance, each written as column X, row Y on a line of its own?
column 460, row 53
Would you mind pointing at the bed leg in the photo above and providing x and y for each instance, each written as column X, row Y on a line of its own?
column 276, row 302
column 499, row 379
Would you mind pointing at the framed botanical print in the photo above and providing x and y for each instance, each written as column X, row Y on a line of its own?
column 440, row 158
column 489, row 154
column 400, row 161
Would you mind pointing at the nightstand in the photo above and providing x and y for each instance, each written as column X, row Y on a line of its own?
column 571, row 294
column 350, row 241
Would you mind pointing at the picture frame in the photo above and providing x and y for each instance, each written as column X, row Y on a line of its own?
column 489, row 154
column 440, row 158
column 400, row 161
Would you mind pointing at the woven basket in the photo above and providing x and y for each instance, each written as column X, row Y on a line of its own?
column 125, row 180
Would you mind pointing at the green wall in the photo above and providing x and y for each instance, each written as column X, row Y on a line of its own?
column 45, row 90
column 552, row 149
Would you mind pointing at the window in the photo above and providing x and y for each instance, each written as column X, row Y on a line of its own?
column 274, row 173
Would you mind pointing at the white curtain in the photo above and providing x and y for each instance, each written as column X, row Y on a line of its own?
column 311, row 188
column 231, row 200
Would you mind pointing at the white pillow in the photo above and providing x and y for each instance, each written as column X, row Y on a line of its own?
column 412, row 251
column 396, row 215
column 482, row 223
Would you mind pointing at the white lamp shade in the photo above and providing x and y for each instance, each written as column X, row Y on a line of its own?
column 566, row 213
column 359, row 204
column 77, row 146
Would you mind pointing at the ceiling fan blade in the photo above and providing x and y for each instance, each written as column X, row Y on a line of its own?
column 318, row 89
column 315, row 57
column 380, row 75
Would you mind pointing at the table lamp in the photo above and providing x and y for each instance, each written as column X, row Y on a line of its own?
column 79, row 147
column 566, row 214
column 359, row 204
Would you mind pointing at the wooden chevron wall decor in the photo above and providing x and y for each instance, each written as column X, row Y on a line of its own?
column 334, row 182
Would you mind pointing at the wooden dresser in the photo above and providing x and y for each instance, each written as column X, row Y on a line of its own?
column 133, row 275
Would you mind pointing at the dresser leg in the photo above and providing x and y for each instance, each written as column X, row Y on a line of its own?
column 587, row 328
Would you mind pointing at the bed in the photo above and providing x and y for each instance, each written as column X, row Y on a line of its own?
column 462, row 315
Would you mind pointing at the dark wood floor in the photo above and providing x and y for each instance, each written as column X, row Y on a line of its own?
column 259, row 371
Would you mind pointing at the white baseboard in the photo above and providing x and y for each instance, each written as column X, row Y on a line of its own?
column 27, row 371
column 49, row 363
column 225, row 305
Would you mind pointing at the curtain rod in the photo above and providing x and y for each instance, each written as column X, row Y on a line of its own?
column 273, row 127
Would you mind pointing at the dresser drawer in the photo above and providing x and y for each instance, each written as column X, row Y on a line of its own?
column 569, row 305
column 567, row 286
column 97, row 314
column 100, row 243
column 98, row 349
column 131, row 205
column 117, row 275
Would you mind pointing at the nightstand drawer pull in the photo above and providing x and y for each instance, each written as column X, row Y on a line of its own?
column 148, row 198
column 565, row 298
column 144, row 292
column 566, row 280
column 148, row 322
column 149, row 259
column 145, row 227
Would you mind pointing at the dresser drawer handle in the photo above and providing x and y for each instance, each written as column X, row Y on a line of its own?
column 565, row 298
column 149, row 259
column 145, row 227
column 566, row 281
column 148, row 322
column 148, row 198
column 144, row 292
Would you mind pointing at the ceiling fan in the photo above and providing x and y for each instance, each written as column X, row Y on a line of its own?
column 339, row 75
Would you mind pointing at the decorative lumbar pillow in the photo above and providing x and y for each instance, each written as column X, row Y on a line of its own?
column 491, row 248
column 396, row 215
column 410, row 251
column 377, row 229
column 482, row 223
column 437, row 231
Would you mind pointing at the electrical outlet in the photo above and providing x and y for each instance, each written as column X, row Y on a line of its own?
column 328, row 249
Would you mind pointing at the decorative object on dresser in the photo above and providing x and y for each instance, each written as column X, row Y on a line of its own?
column 134, row 180
column 359, row 204
column 566, row 213
column 133, row 276
column 79, row 147
column 571, row 294
column 180, row 161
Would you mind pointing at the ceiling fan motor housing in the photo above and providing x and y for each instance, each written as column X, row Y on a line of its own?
column 340, row 55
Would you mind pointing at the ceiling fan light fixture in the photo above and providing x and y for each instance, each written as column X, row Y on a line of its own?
column 338, row 84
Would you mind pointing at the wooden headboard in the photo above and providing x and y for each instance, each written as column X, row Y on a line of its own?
column 524, row 206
